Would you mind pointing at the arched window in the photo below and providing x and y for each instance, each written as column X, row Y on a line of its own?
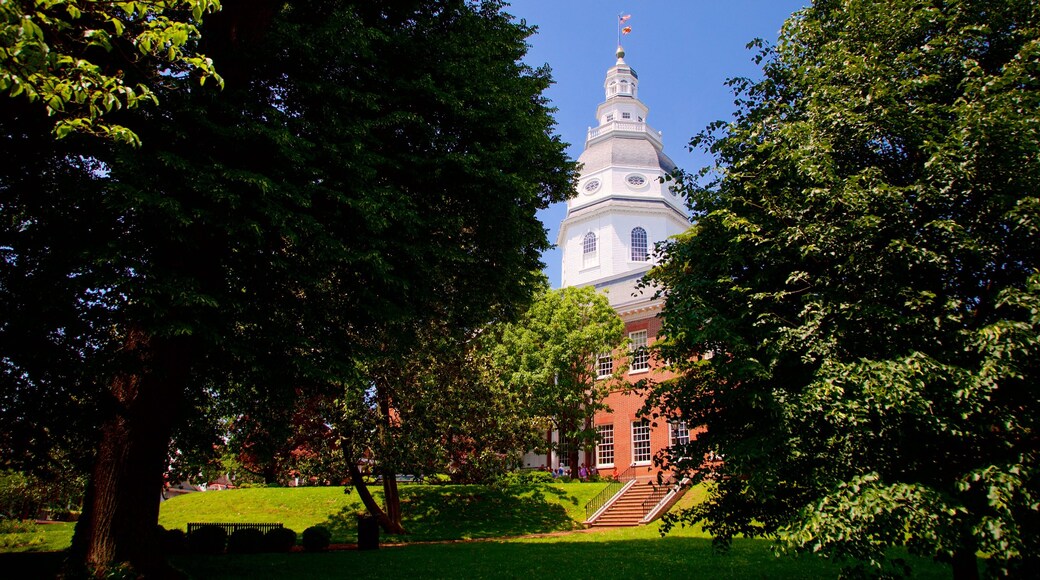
column 588, row 248
column 639, row 253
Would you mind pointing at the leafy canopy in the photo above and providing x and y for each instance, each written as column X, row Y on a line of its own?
column 81, row 60
column 550, row 355
column 864, row 266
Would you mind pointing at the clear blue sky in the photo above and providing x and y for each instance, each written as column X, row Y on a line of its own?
column 682, row 50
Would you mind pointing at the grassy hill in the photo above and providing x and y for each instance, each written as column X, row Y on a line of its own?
column 446, row 513
column 431, row 512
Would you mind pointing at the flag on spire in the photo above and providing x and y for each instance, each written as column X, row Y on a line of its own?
column 622, row 18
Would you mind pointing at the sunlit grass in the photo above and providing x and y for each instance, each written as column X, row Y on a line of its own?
column 430, row 512
column 517, row 533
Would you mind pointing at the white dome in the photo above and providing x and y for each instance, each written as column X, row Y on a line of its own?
column 625, row 153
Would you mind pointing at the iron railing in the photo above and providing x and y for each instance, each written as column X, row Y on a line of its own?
column 232, row 528
column 659, row 493
column 609, row 492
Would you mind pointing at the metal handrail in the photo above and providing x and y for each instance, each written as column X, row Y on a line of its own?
column 659, row 493
column 609, row 491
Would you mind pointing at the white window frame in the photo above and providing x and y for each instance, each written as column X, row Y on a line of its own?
column 605, row 445
column 589, row 250
column 640, row 355
column 604, row 365
column 563, row 455
column 626, row 115
column 678, row 433
column 639, row 241
column 641, row 451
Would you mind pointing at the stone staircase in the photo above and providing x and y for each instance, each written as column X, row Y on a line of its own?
column 626, row 510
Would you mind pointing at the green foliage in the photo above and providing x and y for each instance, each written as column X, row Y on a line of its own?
column 264, row 241
column 549, row 357
column 316, row 538
column 524, row 477
column 246, row 541
column 864, row 269
column 174, row 542
column 279, row 540
column 19, row 535
column 80, row 59
column 30, row 496
column 207, row 540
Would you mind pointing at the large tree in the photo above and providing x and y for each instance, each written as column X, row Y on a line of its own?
column 365, row 166
column 864, row 269
column 551, row 356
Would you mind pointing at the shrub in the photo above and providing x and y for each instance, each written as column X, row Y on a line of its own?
column 207, row 540
column 12, row 526
column 19, row 534
column 279, row 540
column 316, row 538
column 524, row 477
column 246, row 541
column 174, row 542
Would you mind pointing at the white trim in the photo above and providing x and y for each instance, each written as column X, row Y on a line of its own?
column 600, row 375
column 613, row 446
column 641, row 350
column 648, row 442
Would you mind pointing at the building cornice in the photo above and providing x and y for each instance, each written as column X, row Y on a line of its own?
column 620, row 205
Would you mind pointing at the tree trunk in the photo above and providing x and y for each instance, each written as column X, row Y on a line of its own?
column 388, row 525
column 121, row 506
column 391, row 497
column 965, row 564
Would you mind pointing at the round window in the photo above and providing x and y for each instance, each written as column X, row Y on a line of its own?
column 591, row 186
column 636, row 180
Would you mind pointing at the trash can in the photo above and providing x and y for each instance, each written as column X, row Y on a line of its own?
column 367, row 533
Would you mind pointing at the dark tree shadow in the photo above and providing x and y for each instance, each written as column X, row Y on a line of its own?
column 465, row 512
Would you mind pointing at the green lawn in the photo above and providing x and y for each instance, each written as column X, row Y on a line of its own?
column 599, row 558
column 431, row 512
column 440, row 516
